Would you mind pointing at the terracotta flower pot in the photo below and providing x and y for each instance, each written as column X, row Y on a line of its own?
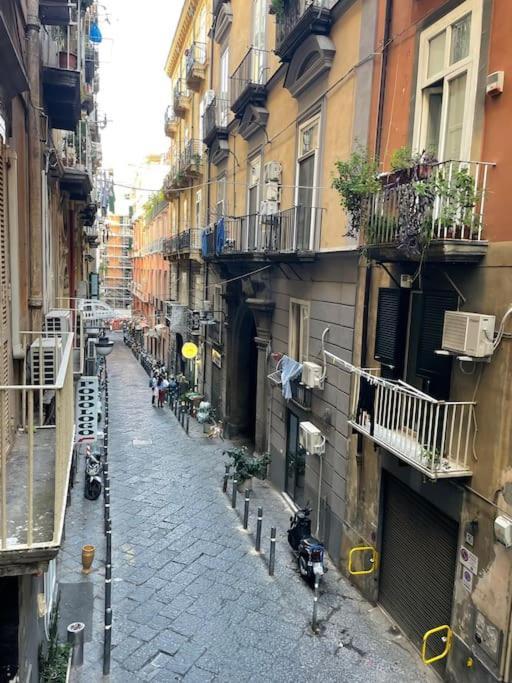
column 87, row 558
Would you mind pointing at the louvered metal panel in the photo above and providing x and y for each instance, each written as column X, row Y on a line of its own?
column 419, row 555
column 391, row 327
column 435, row 303
column 5, row 356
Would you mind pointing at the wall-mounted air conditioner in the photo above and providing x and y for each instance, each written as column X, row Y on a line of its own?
column 207, row 306
column 58, row 320
column 312, row 375
column 468, row 334
column 311, row 438
column 272, row 172
column 271, row 192
column 269, row 208
column 45, row 357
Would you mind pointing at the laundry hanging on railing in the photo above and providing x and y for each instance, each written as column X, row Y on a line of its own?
column 290, row 370
column 219, row 236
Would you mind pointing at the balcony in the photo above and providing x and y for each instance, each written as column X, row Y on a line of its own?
column 174, row 182
column 248, row 82
column 195, row 66
column 37, row 436
column 299, row 20
column 288, row 235
column 92, row 236
column 56, row 12
column 433, row 211
column 181, row 99
column 182, row 244
column 217, row 4
column 302, row 395
column 435, row 437
column 171, row 124
column 91, row 64
column 215, row 129
column 61, row 91
column 191, row 160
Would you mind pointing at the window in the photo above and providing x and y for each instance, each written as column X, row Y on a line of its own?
column 259, row 41
column 298, row 333
column 253, row 203
column 198, row 209
column 447, row 81
column 221, row 197
column 307, row 180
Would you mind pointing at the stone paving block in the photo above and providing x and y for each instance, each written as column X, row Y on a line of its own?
column 169, row 641
column 125, row 648
column 187, row 624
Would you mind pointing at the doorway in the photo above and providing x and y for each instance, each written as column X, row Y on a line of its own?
column 9, row 620
column 244, row 378
column 295, row 474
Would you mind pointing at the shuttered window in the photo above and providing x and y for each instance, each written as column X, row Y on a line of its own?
column 391, row 330
column 4, row 306
column 435, row 303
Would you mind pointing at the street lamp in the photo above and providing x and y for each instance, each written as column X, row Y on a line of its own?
column 104, row 346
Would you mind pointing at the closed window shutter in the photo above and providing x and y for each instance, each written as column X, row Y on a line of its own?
column 435, row 303
column 4, row 308
column 391, row 328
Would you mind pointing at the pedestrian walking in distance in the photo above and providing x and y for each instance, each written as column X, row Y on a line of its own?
column 161, row 391
column 154, row 390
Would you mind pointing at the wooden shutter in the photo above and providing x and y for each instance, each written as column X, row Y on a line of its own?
column 391, row 330
column 5, row 356
column 428, row 363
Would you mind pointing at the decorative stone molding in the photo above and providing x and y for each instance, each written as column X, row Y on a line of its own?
column 313, row 59
column 223, row 22
column 254, row 119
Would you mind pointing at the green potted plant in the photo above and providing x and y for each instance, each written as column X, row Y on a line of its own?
column 356, row 180
column 246, row 466
column 277, row 7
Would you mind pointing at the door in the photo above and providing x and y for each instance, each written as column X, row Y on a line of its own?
column 259, row 42
column 306, row 193
column 224, row 89
column 415, row 589
column 295, row 462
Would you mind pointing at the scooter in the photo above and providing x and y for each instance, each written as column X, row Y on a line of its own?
column 93, row 470
column 308, row 550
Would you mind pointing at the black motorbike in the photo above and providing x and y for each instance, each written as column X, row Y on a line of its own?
column 308, row 550
column 93, row 471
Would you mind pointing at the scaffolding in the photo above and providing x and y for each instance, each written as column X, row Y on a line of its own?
column 117, row 267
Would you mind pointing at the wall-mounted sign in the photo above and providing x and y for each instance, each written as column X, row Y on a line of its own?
column 87, row 396
column 467, row 579
column 468, row 560
column 189, row 350
column 216, row 358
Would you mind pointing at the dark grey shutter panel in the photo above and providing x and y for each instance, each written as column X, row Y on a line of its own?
column 435, row 303
column 416, row 590
column 391, row 327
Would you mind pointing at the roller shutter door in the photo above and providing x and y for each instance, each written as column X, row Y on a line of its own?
column 5, row 354
column 419, row 555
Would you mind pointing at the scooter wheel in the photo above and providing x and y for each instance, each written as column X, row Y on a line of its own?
column 303, row 566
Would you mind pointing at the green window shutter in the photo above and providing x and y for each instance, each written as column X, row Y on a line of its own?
column 429, row 364
column 391, row 329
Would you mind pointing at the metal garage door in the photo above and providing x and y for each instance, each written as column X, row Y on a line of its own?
column 419, row 554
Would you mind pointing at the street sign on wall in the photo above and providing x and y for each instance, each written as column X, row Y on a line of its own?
column 87, row 398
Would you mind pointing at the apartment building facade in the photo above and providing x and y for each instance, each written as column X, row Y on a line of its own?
column 116, row 265
column 49, row 153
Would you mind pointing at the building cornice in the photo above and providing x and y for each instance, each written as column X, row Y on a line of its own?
column 179, row 44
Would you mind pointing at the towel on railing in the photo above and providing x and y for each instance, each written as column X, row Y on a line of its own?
column 204, row 242
column 220, row 237
column 290, row 369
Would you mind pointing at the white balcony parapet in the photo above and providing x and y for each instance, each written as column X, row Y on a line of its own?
column 37, row 439
column 435, row 437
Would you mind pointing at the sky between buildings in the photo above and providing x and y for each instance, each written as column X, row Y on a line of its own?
column 134, row 89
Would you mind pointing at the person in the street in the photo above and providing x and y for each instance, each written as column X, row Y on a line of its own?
column 154, row 390
column 159, row 392
column 173, row 389
column 162, row 392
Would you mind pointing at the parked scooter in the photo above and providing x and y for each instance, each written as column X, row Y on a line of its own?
column 308, row 549
column 93, row 470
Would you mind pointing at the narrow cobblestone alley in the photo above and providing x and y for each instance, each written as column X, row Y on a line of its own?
column 191, row 599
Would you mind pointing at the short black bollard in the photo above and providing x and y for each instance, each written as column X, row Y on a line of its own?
column 272, row 558
column 233, row 492
column 108, row 586
column 107, row 643
column 246, row 508
column 108, row 546
column 314, row 620
column 76, row 633
column 107, row 516
column 259, row 524
column 188, row 424
column 226, row 479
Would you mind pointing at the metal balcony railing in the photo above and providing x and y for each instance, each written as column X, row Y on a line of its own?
column 171, row 123
column 37, row 438
column 181, row 97
column 301, row 395
column 252, row 72
column 215, row 118
column 293, row 12
column 435, row 437
column 443, row 201
column 191, row 159
column 195, row 61
column 185, row 241
column 295, row 230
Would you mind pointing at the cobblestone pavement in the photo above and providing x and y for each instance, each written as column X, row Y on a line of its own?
column 192, row 600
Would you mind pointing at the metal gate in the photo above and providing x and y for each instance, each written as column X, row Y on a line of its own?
column 418, row 562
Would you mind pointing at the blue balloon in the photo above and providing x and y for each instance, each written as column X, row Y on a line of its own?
column 95, row 33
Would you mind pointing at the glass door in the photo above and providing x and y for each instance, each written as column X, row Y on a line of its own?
column 295, row 462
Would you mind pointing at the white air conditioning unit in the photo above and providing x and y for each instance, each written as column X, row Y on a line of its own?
column 269, row 208
column 312, row 375
column 58, row 320
column 468, row 334
column 271, row 191
column 272, row 172
column 311, row 438
column 45, row 357
column 207, row 306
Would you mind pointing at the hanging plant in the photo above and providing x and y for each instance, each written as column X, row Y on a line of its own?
column 355, row 182
column 277, row 7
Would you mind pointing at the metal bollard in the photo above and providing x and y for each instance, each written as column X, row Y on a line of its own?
column 107, row 643
column 108, row 585
column 188, row 424
column 314, row 624
column 108, row 546
column 259, row 524
column 107, row 516
column 246, row 508
column 233, row 492
column 272, row 558
column 226, row 479
column 76, row 634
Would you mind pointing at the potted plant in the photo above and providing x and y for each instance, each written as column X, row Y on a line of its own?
column 356, row 180
column 277, row 8
column 246, row 466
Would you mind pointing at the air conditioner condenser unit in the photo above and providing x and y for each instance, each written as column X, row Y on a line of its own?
column 469, row 334
column 45, row 356
column 312, row 375
column 58, row 320
column 311, row 438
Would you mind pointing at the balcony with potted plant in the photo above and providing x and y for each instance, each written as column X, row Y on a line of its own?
column 191, row 163
column 61, row 78
column 421, row 210
column 296, row 20
column 195, row 66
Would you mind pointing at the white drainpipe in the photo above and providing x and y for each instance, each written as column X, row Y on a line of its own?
column 18, row 351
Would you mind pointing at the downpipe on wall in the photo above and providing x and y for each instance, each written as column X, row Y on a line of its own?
column 12, row 189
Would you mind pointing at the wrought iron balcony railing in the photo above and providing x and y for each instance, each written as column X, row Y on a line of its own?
column 37, row 431
column 195, row 65
column 431, row 203
column 181, row 100
column 191, row 160
column 171, row 123
column 249, row 79
column 215, row 119
column 301, row 395
column 184, row 242
column 298, row 20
